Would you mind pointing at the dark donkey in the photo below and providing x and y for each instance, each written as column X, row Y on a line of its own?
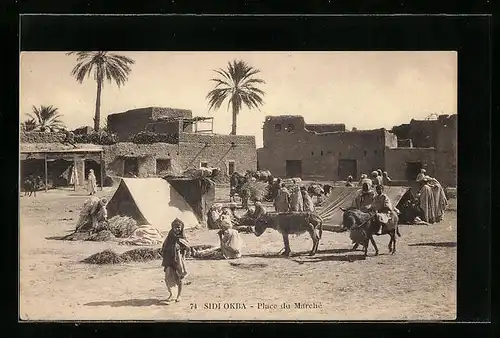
column 362, row 226
column 293, row 223
column 31, row 185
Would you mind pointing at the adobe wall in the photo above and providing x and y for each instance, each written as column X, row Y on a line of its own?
column 396, row 158
column 183, row 156
column 320, row 153
column 129, row 123
column 38, row 137
column 133, row 121
column 446, row 153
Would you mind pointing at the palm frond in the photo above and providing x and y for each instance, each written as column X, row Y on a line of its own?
column 237, row 84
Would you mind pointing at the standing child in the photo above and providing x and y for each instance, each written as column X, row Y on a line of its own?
column 174, row 252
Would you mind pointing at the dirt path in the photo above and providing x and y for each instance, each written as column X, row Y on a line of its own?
column 419, row 282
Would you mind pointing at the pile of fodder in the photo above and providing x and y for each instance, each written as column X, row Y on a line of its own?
column 104, row 257
column 101, row 236
column 254, row 191
column 135, row 255
column 122, row 226
column 141, row 255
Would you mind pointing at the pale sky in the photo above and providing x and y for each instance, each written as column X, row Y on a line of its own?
column 366, row 90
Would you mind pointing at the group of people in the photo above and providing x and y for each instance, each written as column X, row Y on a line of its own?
column 376, row 202
column 297, row 198
column 377, row 177
column 432, row 198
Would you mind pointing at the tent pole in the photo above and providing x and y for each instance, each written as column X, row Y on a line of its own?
column 102, row 172
column 46, row 173
column 76, row 173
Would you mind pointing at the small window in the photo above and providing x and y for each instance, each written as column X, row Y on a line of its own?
column 312, row 153
column 290, row 127
column 277, row 127
column 163, row 165
column 321, row 152
column 204, row 165
column 230, row 168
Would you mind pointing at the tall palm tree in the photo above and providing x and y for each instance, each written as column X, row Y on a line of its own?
column 28, row 125
column 46, row 118
column 103, row 65
column 237, row 84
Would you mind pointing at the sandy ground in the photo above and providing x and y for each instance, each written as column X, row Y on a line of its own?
column 418, row 283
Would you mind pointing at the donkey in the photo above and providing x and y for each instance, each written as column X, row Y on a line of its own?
column 362, row 226
column 293, row 223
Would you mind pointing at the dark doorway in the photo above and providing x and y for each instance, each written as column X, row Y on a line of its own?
column 91, row 164
column 412, row 170
column 163, row 166
column 294, row 168
column 230, row 168
column 130, row 167
column 59, row 172
column 347, row 168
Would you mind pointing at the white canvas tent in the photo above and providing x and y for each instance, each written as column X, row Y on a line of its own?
column 150, row 201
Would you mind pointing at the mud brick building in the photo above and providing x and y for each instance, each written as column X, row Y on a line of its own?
column 293, row 148
column 192, row 147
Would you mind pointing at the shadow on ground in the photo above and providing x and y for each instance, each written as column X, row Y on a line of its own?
column 332, row 258
column 129, row 302
column 437, row 244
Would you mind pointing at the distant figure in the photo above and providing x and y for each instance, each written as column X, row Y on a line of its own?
column 385, row 178
column 230, row 244
column 426, row 201
column 421, row 175
column 307, row 200
column 296, row 201
column 93, row 214
column 376, row 179
column 174, row 251
column 349, row 182
column 379, row 172
column 91, row 183
column 382, row 205
column 432, row 200
column 364, row 199
column 282, row 201
column 73, row 180
column 365, row 179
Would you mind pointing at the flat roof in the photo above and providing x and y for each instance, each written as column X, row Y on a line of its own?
column 58, row 148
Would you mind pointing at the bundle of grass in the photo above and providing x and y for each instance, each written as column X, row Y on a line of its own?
column 141, row 255
column 101, row 236
column 122, row 226
column 254, row 191
column 104, row 257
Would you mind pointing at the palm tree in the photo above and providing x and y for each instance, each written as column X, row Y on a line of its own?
column 113, row 67
column 28, row 125
column 237, row 84
column 45, row 118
